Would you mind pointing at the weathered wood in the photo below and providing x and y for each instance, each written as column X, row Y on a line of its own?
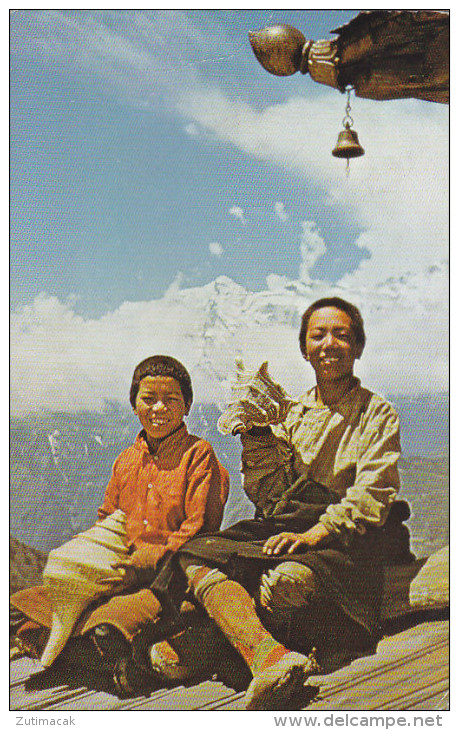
column 408, row 670
column 396, row 54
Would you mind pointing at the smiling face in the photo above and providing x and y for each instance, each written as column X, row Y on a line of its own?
column 331, row 345
column 160, row 406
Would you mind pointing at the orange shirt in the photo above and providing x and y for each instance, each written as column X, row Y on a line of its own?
column 167, row 496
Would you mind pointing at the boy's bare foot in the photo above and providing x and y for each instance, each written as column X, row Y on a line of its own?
column 275, row 688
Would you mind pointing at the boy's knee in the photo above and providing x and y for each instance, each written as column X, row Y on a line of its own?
column 201, row 578
column 110, row 642
column 288, row 585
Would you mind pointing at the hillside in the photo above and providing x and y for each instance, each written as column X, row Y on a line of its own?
column 26, row 566
column 61, row 463
column 425, row 484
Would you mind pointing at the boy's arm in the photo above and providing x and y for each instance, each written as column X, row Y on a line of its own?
column 267, row 466
column 206, row 495
column 111, row 497
column 368, row 500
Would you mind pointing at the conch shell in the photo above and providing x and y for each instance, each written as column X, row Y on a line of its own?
column 72, row 574
column 257, row 401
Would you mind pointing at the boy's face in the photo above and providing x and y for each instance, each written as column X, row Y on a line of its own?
column 331, row 345
column 160, row 406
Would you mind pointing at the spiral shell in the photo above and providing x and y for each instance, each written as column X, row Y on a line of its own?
column 258, row 401
column 72, row 574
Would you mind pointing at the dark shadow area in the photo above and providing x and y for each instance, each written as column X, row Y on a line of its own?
column 71, row 677
column 407, row 621
column 338, row 642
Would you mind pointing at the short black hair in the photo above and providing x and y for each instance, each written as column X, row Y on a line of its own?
column 165, row 366
column 350, row 309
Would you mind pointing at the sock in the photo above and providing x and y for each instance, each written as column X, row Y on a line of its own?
column 166, row 661
column 233, row 610
column 181, row 657
column 268, row 652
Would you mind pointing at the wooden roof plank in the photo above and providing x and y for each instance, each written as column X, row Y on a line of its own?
column 409, row 666
column 408, row 671
column 21, row 669
column 389, row 651
column 189, row 698
column 234, row 702
column 418, row 698
column 44, row 699
column 439, row 700
column 381, row 691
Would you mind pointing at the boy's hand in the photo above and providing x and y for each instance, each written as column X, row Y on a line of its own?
column 292, row 542
column 127, row 574
column 145, row 558
column 132, row 568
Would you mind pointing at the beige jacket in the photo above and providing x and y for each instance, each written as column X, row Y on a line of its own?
column 351, row 447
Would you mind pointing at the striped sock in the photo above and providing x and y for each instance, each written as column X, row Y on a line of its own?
column 267, row 653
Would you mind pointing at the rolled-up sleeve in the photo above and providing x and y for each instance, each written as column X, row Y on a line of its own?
column 266, row 465
column 112, row 494
column 368, row 499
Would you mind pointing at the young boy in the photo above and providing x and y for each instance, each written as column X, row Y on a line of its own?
column 171, row 486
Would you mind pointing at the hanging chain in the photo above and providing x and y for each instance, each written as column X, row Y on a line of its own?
column 347, row 120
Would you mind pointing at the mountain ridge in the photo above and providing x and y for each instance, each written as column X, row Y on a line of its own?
column 61, row 463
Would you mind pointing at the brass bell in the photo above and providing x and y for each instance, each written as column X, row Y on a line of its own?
column 348, row 144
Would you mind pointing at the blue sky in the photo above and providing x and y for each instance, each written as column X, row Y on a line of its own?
column 101, row 170
column 151, row 154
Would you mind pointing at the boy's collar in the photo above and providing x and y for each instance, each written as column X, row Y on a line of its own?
column 310, row 399
column 163, row 443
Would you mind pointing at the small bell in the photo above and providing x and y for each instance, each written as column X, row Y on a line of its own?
column 348, row 145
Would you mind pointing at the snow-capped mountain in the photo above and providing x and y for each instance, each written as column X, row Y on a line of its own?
column 208, row 326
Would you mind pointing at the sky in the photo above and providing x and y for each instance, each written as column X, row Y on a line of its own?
column 169, row 195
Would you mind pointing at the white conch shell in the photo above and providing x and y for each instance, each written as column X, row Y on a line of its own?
column 72, row 574
column 258, row 401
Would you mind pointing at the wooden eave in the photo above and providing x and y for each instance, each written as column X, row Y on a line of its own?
column 390, row 54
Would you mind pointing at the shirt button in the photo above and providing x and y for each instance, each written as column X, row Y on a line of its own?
column 145, row 522
column 155, row 458
column 150, row 486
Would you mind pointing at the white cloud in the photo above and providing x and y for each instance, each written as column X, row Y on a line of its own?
column 63, row 361
column 312, row 248
column 238, row 213
column 139, row 54
column 216, row 249
column 191, row 129
column 279, row 209
column 397, row 194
